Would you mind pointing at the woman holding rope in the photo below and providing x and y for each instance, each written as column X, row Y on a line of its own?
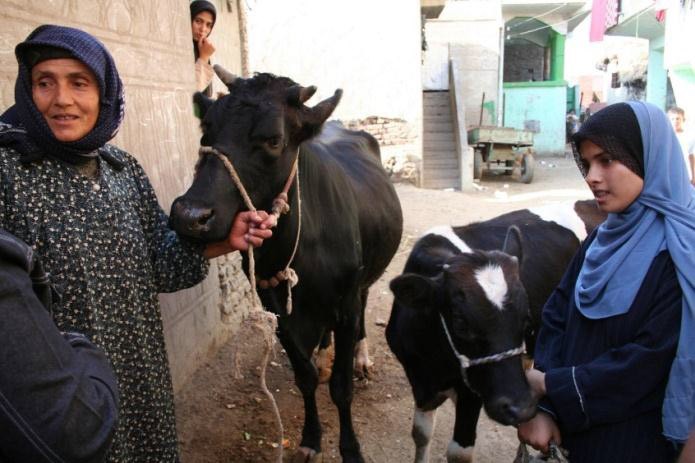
column 89, row 211
column 615, row 377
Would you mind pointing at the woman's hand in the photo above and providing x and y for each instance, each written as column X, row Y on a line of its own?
column 539, row 432
column 536, row 380
column 205, row 49
column 248, row 228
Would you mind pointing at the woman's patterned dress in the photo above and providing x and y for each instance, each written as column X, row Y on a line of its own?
column 106, row 243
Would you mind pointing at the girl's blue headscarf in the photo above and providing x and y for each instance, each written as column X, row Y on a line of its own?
column 34, row 139
column 662, row 217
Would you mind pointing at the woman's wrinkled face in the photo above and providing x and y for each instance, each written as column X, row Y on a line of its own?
column 201, row 25
column 614, row 186
column 66, row 92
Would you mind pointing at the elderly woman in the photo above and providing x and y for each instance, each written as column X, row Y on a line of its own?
column 90, row 213
column 616, row 378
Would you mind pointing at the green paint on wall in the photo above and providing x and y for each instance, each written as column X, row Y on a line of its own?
column 557, row 56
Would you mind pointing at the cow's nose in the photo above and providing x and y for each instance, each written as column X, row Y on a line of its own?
column 191, row 220
column 514, row 411
column 200, row 219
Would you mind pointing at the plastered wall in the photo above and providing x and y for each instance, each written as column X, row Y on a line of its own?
column 151, row 44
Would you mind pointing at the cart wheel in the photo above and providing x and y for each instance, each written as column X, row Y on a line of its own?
column 527, row 163
column 477, row 164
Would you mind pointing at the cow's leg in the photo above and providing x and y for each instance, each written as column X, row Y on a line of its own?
column 341, row 380
column 423, row 427
column 362, row 361
column 468, row 405
column 306, row 378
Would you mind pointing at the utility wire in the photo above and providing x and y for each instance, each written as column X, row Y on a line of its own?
column 513, row 26
column 547, row 26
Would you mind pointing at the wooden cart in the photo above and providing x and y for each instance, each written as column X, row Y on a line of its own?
column 503, row 149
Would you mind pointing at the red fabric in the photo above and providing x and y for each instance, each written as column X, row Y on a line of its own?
column 661, row 15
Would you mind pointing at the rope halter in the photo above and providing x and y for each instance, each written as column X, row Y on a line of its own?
column 280, row 206
column 467, row 362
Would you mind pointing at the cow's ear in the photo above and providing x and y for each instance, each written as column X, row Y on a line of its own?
column 413, row 290
column 202, row 103
column 513, row 243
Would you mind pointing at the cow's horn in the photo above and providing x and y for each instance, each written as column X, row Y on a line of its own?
column 306, row 92
column 225, row 76
column 298, row 95
column 322, row 110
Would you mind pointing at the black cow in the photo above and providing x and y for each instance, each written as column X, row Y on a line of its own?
column 458, row 293
column 351, row 223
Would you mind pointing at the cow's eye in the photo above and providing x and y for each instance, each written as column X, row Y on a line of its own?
column 273, row 143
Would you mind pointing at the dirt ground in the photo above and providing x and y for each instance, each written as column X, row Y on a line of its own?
column 223, row 420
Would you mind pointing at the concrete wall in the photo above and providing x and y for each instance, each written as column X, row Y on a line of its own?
column 474, row 45
column 538, row 105
column 369, row 49
column 151, row 44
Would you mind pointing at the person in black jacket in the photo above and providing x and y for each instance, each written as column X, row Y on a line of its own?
column 615, row 357
column 58, row 392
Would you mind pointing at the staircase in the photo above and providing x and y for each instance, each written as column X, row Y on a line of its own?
column 440, row 164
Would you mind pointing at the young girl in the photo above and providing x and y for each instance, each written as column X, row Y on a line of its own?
column 616, row 379
column 203, row 17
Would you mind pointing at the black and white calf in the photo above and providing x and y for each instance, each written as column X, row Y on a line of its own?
column 467, row 299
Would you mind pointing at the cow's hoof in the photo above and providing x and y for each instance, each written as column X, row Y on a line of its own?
column 307, row 455
column 363, row 371
column 362, row 363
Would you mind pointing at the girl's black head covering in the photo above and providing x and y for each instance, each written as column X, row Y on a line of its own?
column 203, row 5
column 616, row 130
column 34, row 139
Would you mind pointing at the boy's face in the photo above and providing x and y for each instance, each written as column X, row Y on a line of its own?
column 677, row 121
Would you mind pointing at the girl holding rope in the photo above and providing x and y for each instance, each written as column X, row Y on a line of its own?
column 615, row 359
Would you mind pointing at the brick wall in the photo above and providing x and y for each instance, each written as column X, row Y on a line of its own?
column 519, row 58
column 398, row 141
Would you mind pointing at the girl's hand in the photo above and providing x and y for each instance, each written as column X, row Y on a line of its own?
column 539, row 432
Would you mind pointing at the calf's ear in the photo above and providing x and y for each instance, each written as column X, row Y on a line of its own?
column 513, row 243
column 202, row 103
column 413, row 290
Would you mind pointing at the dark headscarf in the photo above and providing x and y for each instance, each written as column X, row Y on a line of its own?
column 30, row 133
column 617, row 131
column 203, row 5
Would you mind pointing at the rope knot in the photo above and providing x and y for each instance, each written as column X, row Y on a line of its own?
column 290, row 275
column 280, row 204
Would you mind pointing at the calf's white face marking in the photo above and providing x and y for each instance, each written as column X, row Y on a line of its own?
column 491, row 280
